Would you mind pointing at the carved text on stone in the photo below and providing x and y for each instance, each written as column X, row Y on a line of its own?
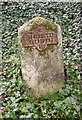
column 39, row 38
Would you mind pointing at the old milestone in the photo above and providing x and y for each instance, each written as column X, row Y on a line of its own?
column 40, row 44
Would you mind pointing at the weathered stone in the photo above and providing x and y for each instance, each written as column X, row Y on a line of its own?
column 41, row 56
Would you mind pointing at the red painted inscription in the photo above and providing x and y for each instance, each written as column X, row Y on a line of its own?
column 39, row 38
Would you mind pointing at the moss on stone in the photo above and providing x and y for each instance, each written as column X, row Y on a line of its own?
column 50, row 47
column 37, row 21
column 29, row 49
column 45, row 52
column 50, row 26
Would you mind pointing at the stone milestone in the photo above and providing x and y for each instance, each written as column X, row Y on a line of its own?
column 40, row 43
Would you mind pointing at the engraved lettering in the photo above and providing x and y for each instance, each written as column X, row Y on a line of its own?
column 40, row 38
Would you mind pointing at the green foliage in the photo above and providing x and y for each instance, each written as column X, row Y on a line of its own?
column 15, row 101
